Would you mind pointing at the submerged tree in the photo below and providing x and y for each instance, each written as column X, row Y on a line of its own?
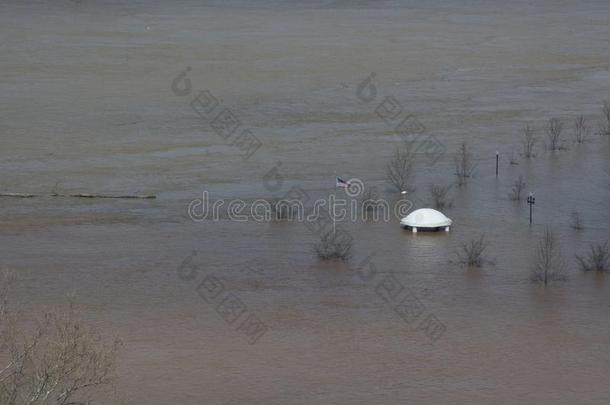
column 399, row 171
column 604, row 125
column 554, row 129
column 549, row 264
column 518, row 187
column 576, row 221
column 581, row 129
column 528, row 140
column 464, row 164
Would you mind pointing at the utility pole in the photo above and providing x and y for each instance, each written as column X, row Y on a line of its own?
column 531, row 201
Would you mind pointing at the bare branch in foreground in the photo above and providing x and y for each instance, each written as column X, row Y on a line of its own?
column 58, row 361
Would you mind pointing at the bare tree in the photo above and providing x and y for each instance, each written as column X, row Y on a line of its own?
column 464, row 164
column 400, row 171
column 471, row 253
column 597, row 260
column 576, row 221
column 528, row 140
column 439, row 195
column 581, row 129
column 604, row 125
column 60, row 361
column 333, row 246
column 553, row 133
column 549, row 264
column 518, row 187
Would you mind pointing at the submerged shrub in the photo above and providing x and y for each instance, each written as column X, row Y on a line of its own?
column 439, row 195
column 598, row 259
column 471, row 253
column 518, row 187
column 576, row 221
column 333, row 246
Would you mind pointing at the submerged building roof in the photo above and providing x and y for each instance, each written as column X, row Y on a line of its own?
column 426, row 218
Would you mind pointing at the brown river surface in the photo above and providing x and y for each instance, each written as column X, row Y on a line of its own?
column 87, row 106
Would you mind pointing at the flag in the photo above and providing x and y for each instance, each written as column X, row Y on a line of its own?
column 342, row 183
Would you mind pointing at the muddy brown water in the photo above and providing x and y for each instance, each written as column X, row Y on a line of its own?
column 87, row 107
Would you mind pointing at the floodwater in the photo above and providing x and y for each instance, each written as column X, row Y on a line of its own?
column 88, row 107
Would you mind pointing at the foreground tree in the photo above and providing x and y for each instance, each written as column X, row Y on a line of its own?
column 58, row 360
column 549, row 265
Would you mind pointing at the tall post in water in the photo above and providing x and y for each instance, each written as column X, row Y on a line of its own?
column 497, row 159
column 531, row 201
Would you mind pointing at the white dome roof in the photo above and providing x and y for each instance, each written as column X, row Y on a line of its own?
column 426, row 218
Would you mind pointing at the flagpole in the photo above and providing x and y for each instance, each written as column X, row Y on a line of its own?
column 332, row 214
